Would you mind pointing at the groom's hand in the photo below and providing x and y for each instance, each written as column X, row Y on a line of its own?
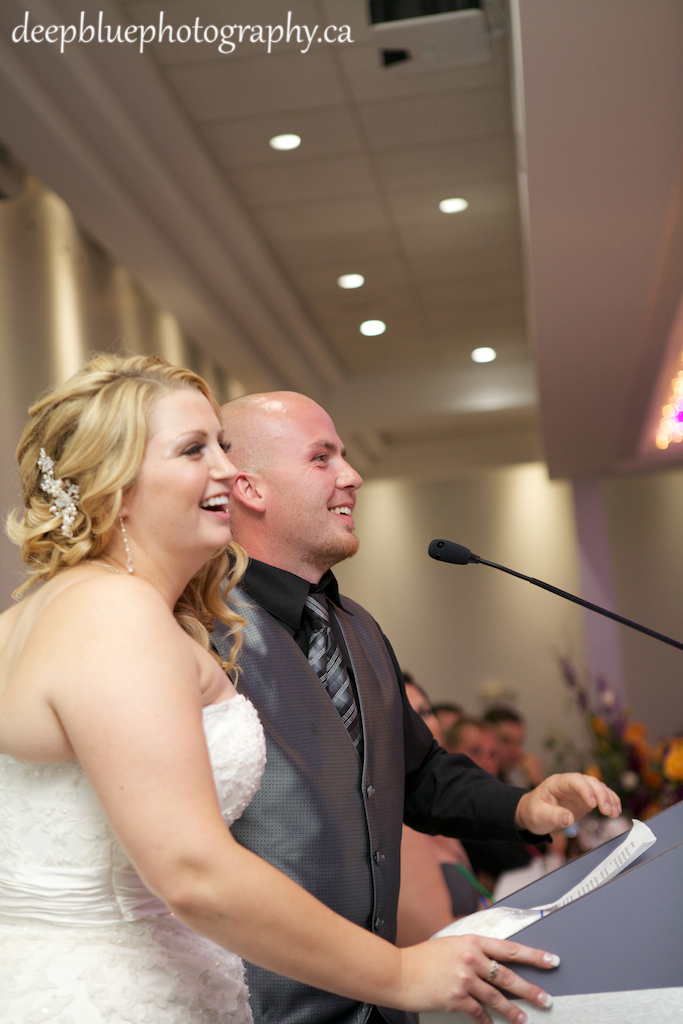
column 560, row 800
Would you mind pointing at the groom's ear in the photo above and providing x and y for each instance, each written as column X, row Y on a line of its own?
column 248, row 489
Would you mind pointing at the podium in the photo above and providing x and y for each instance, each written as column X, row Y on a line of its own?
column 620, row 946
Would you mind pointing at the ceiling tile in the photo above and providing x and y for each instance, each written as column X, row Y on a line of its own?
column 494, row 318
column 403, row 346
column 468, row 264
column 324, row 132
column 380, row 276
column 369, row 80
column 262, row 85
column 296, row 182
column 464, row 162
column 459, row 292
column 491, row 199
column 311, row 220
column 483, row 233
column 342, row 253
column 394, row 309
column 415, row 120
column 463, row 425
column 454, row 351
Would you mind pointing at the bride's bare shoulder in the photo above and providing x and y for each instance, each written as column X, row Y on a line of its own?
column 87, row 605
column 91, row 595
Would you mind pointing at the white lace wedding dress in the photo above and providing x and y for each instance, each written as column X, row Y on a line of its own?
column 82, row 941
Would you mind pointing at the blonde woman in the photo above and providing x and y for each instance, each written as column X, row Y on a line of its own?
column 125, row 747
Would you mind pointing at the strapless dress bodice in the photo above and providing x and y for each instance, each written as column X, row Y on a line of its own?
column 67, row 884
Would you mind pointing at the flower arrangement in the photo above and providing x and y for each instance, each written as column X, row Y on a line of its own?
column 648, row 779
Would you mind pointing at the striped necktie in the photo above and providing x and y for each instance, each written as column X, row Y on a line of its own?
column 325, row 658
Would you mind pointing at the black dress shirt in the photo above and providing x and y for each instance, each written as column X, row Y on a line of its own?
column 432, row 777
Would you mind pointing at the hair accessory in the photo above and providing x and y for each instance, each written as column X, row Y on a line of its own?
column 63, row 493
column 129, row 558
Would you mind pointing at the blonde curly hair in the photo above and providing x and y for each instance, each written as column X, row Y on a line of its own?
column 95, row 427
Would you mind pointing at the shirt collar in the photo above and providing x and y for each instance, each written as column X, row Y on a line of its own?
column 284, row 594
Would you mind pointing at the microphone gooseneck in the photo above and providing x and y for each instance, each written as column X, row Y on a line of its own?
column 457, row 554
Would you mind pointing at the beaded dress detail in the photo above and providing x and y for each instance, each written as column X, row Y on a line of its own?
column 82, row 941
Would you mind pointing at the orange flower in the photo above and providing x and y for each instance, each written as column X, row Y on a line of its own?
column 600, row 726
column 635, row 733
column 651, row 779
column 673, row 762
column 594, row 771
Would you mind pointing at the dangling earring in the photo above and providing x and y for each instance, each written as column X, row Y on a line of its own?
column 129, row 558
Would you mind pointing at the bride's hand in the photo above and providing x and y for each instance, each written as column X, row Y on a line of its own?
column 452, row 974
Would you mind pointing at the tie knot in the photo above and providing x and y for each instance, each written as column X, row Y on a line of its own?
column 316, row 605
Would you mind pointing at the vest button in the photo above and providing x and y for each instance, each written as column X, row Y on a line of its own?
column 379, row 858
column 369, row 790
column 378, row 923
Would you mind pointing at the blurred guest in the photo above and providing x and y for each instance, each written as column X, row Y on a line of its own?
column 491, row 860
column 448, row 714
column 518, row 766
column 435, row 887
column 420, row 702
column 476, row 738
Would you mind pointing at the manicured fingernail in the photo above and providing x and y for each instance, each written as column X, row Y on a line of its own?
column 552, row 959
column 545, row 999
column 522, row 1018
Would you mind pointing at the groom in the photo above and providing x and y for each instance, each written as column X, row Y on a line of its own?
column 347, row 759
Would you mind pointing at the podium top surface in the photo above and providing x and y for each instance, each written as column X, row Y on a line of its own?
column 667, row 827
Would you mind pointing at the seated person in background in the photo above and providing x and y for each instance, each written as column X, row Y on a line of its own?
column 434, row 889
column 448, row 714
column 496, row 743
column 518, row 767
column 476, row 738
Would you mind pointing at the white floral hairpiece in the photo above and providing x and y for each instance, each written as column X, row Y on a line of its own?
column 64, row 494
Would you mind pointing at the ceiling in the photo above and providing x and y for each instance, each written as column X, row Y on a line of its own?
column 566, row 144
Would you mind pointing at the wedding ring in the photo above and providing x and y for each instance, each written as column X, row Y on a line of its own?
column 495, row 967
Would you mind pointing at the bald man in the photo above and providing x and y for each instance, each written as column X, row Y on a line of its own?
column 348, row 761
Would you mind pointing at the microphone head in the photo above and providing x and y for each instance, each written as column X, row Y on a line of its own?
column 447, row 551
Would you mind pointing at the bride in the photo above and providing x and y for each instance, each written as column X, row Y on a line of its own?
column 125, row 747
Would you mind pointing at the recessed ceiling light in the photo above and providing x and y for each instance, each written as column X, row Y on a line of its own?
column 453, row 205
column 350, row 280
column 484, row 354
column 285, row 141
column 370, row 328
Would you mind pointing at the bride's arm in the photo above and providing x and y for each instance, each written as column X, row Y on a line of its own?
column 124, row 683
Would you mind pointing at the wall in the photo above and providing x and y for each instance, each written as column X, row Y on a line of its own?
column 62, row 296
column 645, row 516
column 458, row 628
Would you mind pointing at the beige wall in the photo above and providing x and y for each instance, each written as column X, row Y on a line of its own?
column 458, row 628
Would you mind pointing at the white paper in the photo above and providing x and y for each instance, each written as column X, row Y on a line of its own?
column 502, row 922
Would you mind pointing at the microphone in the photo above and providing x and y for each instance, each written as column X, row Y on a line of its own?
column 457, row 554
column 447, row 551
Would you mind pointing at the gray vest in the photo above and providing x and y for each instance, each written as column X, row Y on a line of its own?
column 323, row 818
